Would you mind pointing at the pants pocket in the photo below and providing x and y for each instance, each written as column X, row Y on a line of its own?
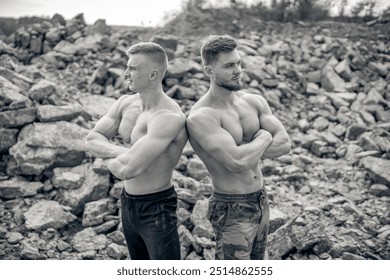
column 163, row 218
column 168, row 209
column 211, row 209
column 220, row 211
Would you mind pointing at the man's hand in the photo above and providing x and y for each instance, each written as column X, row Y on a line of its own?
column 263, row 134
column 104, row 166
column 100, row 166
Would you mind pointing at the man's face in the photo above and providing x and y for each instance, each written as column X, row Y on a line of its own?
column 138, row 72
column 226, row 71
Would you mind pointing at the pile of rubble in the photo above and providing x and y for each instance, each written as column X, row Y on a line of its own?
column 329, row 197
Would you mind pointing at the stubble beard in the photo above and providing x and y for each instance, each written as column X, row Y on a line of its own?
column 231, row 87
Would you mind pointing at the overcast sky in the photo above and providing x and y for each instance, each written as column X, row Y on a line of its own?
column 115, row 12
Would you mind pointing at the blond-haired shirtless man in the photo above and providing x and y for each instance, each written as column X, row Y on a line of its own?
column 153, row 127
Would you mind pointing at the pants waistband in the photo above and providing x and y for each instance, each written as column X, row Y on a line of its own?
column 150, row 196
column 255, row 196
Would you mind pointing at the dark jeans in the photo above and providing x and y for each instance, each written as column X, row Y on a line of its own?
column 240, row 223
column 150, row 225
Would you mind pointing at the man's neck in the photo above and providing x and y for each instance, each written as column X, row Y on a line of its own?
column 221, row 96
column 150, row 98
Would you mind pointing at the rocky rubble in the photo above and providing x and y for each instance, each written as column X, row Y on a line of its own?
column 329, row 197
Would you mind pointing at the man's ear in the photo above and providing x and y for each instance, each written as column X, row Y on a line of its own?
column 208, row 70
column 154, row 74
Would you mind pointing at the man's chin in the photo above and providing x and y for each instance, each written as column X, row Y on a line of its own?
column 132, row 90
column 232, row 87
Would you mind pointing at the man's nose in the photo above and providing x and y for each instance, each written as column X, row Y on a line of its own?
column 126, row 74
column 237, row 69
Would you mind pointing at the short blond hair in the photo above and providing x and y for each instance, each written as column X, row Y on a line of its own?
column 153, row 50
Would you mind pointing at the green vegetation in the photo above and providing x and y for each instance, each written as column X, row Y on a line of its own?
column 296, row 10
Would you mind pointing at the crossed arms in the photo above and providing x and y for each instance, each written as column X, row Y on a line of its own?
column 127, row 163
column 162, row 130
column 270, row 141
column 204, row 126
column 281, row 144
column 98, row 140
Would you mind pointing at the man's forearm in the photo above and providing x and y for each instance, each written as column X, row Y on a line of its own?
column 280, row 145
column 103, row 149
column 122, row 169
column 115, row 167
column 250, row 153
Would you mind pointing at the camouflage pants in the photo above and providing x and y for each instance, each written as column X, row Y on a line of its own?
column 240, row 223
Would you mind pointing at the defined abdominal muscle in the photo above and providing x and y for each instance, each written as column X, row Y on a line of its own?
column 238, row 183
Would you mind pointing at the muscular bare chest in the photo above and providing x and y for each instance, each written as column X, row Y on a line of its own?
column 133, row 124
column 241, row 122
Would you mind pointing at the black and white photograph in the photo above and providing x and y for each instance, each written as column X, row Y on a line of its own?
column 195, row 130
